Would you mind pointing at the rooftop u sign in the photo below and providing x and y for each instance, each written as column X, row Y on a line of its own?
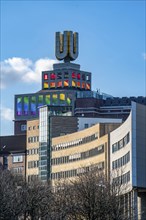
column 66, row 46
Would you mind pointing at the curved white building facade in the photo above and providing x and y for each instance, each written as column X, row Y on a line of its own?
column 128, row 160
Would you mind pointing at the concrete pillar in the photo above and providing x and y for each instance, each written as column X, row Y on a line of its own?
column 141, row 205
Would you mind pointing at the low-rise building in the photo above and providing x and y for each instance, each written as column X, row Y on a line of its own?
column 13, row 154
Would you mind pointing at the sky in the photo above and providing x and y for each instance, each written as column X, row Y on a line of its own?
column 112, row 46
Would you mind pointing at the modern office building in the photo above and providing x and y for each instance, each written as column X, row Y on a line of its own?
column 128, row 160
column 76, row 153
column 49, row 127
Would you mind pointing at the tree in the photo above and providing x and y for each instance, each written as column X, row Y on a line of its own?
column 10, row 199
column 21, row 199
column 89, row 197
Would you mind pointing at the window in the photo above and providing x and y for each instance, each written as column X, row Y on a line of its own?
column 66, row 75
column 86, row 125
column 46, row 85
column 17, row 158
column 59, row 75
column 78, row 76
column 33, row 105
column 52, row 76
column 83, row 76
column 17, row 170
column 45, row 76
column 121, row 161
column 59, row 84
column 32, row 164
column 87, row 77
column 23, row 127
column 66, row 83
column 26, row 105
column 120, row 144
column 73, row 75
column 19, row 106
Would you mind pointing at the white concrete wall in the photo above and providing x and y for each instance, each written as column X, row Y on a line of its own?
column 116, row 136
column 92, row 121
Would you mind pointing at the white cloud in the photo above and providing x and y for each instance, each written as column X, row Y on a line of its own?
column 17, row 69
column 6, row 114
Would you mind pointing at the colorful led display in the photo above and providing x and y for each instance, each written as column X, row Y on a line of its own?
column 19, row 106
column 54, row 99
column 62, row 99
column 59, row 84
column 73, row 75
column 26, row 105
column 33, row 105
column 45, row 76
column 87, row 86
column 78, row 84
column 66, row 84
column 46, row 85
column 52, row 85
column 68, row 101
column 47, row 99
column 78, row 76
column 40, row 100
column 83, row 85
column 73, row 83
column 52, row 76
column 62, row 96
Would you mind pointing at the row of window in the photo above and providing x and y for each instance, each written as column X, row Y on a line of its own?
column 32, row 178
column 33, row 139
column 66, row 83
column 17, row 158
column 17, row 170
column 34, row 127
column 33, row 151
column 66, row 75
column 76, row 172
column 33, row 164
column 78, row 156
column 120, row 144
column 123, row 179
column 121, row 161
column 75, row 142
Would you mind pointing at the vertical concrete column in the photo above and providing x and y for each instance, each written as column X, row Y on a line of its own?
column 135, row 208
column 141, row 205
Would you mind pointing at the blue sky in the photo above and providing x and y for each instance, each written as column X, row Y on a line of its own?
column 111, row 46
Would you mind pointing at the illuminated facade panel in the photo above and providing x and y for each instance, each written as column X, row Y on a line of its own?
column 19, row 106
column 46, row 85
column 33, row 105
column 47, row 99
column 40, row 100
column 60, row 78
column 26, row 105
